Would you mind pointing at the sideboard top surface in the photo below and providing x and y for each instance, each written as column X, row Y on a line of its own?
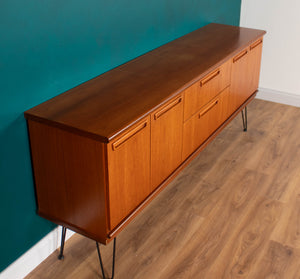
column 107, row 104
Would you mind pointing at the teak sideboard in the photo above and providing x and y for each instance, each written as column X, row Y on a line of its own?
column 104, row 149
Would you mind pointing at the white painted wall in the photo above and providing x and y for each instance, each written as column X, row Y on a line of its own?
column 280, row 70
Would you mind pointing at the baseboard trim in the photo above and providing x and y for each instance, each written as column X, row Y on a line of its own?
column 35, row 255
column 278, row 97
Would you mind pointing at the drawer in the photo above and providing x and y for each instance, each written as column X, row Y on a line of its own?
column 203, row 123
column 200, row 93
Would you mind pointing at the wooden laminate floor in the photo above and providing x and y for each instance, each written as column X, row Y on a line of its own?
column 234, row 212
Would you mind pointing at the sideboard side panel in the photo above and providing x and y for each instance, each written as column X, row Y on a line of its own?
column 70, row 179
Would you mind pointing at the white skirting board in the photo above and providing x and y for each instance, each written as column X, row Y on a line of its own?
column 278, row 97
column 35, row 255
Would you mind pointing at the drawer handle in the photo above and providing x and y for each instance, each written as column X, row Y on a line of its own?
column 127, row 136
column 207, row 109
column 167, row 108
column 257, row 43
column 240, row 55
column 209, row 77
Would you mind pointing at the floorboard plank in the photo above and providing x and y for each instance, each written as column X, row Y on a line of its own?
column 279, row 261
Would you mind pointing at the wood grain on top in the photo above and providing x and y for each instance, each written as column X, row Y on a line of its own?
column 109, row 103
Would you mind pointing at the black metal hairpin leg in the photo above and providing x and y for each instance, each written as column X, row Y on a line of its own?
column 245, row 120
column 113, row 263
column 63, row 237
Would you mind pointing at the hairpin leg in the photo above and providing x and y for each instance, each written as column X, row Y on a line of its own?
column 101, row 263
column 245, row 120
column 63, row 237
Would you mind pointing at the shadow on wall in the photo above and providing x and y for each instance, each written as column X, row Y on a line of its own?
column 17, row 194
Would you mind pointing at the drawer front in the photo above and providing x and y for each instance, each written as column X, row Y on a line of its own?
column 129, row 171
column 214, row 83
column 206, row 89
column 202, row 124
column 166, row 140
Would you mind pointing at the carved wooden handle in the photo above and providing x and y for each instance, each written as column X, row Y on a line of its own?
column 208, row 108
column 257, row 43
column 210, row 77
column 128, row 135
column 167, row 108
column 240, row 55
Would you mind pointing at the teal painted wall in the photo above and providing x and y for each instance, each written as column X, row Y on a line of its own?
column 48, row 47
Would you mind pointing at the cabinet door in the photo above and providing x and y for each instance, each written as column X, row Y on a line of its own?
column 191, row 100
column 128, row 171
column 166, row 140
column 201, row 125
column 200, row 93
column 254, row 60
column 240, row 81
column 245, row 73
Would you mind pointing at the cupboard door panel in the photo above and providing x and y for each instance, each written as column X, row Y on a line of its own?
column 200, row 93
column 240, row 82
column 166, row 140
column 245, row 73
column 129, row 171
column 201, row 125
column 255, row 61
column 191, row 100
